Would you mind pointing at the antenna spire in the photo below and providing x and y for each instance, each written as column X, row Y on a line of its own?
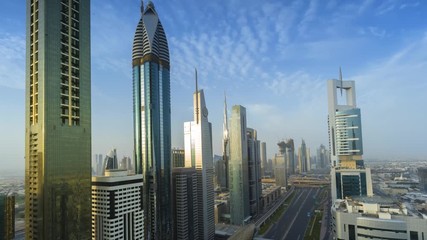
column 197, row 98
column 341, row 81
column 142, row 6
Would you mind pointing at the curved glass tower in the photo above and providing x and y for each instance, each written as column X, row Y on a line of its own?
column 152, row 122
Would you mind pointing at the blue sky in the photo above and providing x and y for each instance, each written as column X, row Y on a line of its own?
column 273, row 57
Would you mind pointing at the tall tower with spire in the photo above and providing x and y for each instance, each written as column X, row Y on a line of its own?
column 152, row 122
column 198, row 155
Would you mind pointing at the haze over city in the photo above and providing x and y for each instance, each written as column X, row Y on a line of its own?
column 272, row 57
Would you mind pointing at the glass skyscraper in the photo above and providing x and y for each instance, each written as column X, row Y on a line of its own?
column 58, row 120
column 152, row 122
column 238, row 168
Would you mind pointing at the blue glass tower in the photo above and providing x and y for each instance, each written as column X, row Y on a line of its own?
column 152, row 122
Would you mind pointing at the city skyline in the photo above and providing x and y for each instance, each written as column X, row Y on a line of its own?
column 292, row 87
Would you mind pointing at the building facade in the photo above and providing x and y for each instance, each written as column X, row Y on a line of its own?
column 238, row 167
column 57, row 120
column 263, row 156
column 349, row 177
column 185, row 203
column 303, row 158
column 152, row 122
column 254, row 171
column 7, row 216
column 117, row 211
column 199, row 155
column 376, row 219
column 178, row 158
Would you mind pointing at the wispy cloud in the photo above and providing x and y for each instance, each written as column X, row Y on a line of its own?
column 12, row 61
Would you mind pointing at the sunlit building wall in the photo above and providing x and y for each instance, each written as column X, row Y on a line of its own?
column 199, row 155
column 7, row 216
column 57, row 120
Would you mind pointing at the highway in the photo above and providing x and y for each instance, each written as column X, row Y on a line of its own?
column 294, row 221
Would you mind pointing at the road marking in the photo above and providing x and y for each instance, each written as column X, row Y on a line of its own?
column 296, row 215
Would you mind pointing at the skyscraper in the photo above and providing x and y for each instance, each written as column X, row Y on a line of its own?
column 322, row 157
column 185, row 205
column 290, row 156
column 303, row 158
column 178, row 157
column 225, row 143
column 198, row 154
column 238, row 167
column 7, row 216
column 58, row 120
column 254, row 171
column 263, row 152
column 349, row 177
column 152, row 122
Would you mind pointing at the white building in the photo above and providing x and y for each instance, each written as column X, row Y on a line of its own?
column 117, row 206
column 198, row 154
column 376, row 218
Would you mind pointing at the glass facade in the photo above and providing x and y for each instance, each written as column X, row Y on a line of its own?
column 349, row 132
column 238, row 167
column 152, row 122
column 58, row 120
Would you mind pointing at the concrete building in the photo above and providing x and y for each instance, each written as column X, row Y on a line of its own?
column 376, row 218
column 270, row 193
column 152, row 121
column 117, row 211
column 345, row 143
column 7, row 216
column 238, row 167
column 57, row 120
column 178, row 158
column 254, row 171
column 198, row 154
column 185, row 203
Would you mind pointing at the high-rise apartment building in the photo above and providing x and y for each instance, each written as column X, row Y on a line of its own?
column 303, row 158
column 281, row 166
column 322, row 157
column 178, row 158
column 185, row 203
column 198, row 154
column 152, row 122
column 226, row 144
column 290, row 156
column 238, row 167
column 7, row 216
column 117, row 211
column 254, row 171
column 57, row 120
column 349, row 177
column 422, row 176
